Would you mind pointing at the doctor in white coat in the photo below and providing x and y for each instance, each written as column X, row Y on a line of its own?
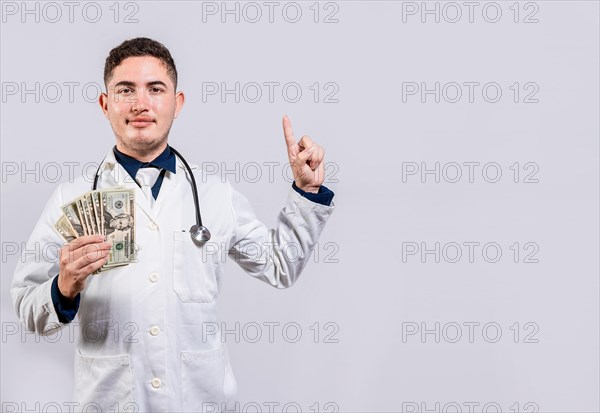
column 142, row 345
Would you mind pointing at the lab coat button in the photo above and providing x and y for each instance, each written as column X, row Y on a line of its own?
column 153, row 277
column 155, row 383
column 152, row 226
column 154, row 330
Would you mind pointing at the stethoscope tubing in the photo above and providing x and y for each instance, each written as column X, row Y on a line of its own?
column 190, row 173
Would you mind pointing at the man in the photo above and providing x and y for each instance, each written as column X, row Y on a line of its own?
column 147, row 351
column 118, row 222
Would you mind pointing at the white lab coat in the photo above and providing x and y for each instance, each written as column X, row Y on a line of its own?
column 142, row 346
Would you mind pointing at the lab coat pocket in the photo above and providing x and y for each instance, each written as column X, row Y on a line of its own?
column 207, row 381
column 194, row 279
column 105, row 382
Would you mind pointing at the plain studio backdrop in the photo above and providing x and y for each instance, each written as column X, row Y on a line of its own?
column 460, row 267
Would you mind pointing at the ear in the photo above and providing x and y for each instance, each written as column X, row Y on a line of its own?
column 179, row 100
column 103, row 101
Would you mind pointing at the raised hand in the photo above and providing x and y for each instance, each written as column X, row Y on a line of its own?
column 306, row 159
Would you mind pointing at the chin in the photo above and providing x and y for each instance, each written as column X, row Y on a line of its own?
column 144, row 139
column 146, row 143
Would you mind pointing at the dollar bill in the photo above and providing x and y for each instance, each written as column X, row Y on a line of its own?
column 64, row 228
column 86, row 215
column 71, row 212
column 91, row 211
column 109, row 212
column 118, row 206
column 97, row 203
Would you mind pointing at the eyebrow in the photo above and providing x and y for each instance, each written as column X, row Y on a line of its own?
column 132, row 84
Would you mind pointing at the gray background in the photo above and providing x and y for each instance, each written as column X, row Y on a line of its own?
column 359, row 282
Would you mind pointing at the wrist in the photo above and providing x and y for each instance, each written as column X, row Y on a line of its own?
column 309, row 188
column 67, row 293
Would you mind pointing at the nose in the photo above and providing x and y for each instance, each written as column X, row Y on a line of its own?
column 140, row 101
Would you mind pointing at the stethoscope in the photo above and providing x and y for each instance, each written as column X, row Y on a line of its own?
column 199, row 233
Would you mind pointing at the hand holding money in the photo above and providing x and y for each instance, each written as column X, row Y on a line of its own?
column 108, row 213
column 78, row 260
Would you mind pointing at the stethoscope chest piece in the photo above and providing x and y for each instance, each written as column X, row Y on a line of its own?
column 200, row 234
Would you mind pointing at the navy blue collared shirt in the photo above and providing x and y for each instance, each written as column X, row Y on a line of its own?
column 67, row 309
column 165, row 161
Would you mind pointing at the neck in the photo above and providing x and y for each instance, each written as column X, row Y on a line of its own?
column 145, row 156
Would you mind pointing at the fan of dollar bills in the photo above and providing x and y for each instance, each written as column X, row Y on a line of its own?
column 108, row 212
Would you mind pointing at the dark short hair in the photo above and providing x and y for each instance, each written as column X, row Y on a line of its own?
column 140, row 46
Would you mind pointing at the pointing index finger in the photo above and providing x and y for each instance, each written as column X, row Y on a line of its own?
column 287, row 132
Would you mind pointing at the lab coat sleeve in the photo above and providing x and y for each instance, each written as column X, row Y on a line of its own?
column 38, row 264
column 278, row 255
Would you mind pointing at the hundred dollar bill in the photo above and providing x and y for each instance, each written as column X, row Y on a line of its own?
column 118, row 216
column 64, row 228
column 71, row 212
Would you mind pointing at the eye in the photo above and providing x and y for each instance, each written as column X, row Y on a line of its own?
column 124, row 90
column 156, row 89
